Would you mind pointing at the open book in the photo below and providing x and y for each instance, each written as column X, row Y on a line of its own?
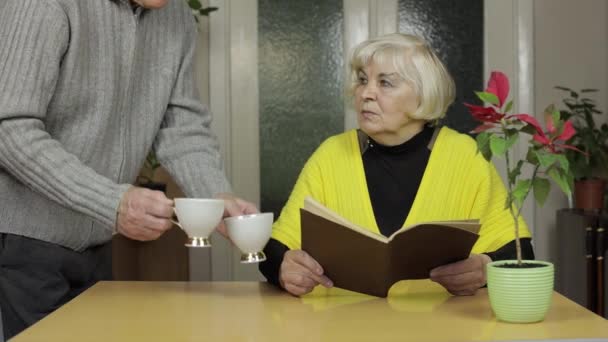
column 359, row 260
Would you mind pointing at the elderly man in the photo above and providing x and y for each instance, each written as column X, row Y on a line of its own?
column 87, row 87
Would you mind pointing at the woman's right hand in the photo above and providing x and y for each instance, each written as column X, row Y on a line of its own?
column 300, row 273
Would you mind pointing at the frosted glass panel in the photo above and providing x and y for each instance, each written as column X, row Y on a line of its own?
column 455, row 31
column 300, row 75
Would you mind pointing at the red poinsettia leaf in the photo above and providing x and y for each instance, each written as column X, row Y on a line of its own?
column 484, row 114
column 568, row 131
column 482, row 128
column 542, row 138
column 570, row 147
column 474, row 108
column 499, row 86
column 529, row 120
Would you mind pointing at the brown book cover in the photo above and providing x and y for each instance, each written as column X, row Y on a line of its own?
column 359, row 260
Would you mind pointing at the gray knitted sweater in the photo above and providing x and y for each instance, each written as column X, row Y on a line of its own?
column 86, row 88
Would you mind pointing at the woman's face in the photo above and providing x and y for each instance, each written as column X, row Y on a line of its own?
column 384, row 102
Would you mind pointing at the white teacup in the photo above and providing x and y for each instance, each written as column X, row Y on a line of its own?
column 198, row 217
column 250, row 233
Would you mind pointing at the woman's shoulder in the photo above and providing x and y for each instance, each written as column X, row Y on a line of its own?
column 338, row 142
column 335, row 148
column 454, row 143
column 454, row 137
column 456, row 140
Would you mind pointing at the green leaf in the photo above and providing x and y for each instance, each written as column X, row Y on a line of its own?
column 205, row 11
column 509, row 106
column 563, row 161
column 541, row 187
column 545, row 159
column 513, row 174
column 483, row 145
column 570, row 180
column 498, row 145
column 531, row 157
column 508, row 203
column 529, row 129
column 512, row 139
column 521, row 191
column 562, row 182
column 487, row 97
column 555, row 115
column 195, row 4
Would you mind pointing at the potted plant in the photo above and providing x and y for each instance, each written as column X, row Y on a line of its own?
column 146, row 175
column 521, row 290
column 198, row 9
column 592, row 139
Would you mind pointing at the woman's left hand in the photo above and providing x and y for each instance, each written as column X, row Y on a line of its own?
column 462, row 278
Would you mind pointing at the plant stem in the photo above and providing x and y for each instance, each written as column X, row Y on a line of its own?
column 518, row 214
column 516, row 222
column 511, row 202
column 517, row 242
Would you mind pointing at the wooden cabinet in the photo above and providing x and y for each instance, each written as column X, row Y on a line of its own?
column 580, row 268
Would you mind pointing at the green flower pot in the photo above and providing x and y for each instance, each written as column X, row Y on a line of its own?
column 520, row 295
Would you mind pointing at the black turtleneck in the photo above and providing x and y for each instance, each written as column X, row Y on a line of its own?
column 393, row 175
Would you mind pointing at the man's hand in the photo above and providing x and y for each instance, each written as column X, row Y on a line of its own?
column 300, row 273
column 144, row 214
column 234, row 206
column 462, row 278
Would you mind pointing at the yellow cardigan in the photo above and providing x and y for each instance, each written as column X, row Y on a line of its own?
column 458, row 183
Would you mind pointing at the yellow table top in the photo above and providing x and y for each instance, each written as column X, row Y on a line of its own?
column 251, row 311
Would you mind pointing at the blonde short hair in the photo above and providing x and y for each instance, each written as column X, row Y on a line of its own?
column 416, row 63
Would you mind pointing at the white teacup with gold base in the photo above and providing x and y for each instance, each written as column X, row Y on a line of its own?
column 250, row 233
column 198, row 217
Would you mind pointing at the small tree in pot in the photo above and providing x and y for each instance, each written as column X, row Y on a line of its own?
column 593, row 140
column 520, row 291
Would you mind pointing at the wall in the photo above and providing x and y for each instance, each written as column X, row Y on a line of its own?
column 570, row 49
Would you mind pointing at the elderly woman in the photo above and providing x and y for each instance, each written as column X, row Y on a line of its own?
column 398, row 169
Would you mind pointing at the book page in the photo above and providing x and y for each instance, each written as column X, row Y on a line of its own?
column 472, row 226
column 319, row 209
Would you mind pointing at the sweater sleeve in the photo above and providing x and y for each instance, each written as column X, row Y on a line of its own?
column 33, row 39
column 185, row 144
column 275, row 251
column 509, row 251
column 287, row 229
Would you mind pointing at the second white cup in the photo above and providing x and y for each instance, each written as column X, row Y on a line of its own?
column 250, row 233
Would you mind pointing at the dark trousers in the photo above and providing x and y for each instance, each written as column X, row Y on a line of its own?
column 37, row 277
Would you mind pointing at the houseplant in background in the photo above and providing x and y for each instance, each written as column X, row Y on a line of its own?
column 198, row 9
column 146, row 175
column 520, row 290
column 588, row 168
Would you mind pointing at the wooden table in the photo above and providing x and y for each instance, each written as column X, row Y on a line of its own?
column 250, row 311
